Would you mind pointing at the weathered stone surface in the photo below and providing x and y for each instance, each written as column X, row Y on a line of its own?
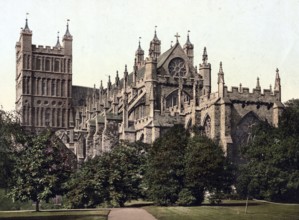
column 162, row 90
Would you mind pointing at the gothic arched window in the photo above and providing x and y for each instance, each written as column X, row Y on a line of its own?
column 207, row 126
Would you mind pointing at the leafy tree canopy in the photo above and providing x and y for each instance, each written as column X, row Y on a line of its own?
column 11, row 137
column 272, row 168
column 112, row 178
column 41, row 169
column 181, row 168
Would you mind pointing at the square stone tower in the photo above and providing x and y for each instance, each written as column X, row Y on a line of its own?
column 44, row 82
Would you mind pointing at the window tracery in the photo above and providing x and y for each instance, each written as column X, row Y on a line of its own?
column 177, row 67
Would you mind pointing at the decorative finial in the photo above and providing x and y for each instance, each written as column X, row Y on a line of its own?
column 177, row 37
column 171, row 44
column 116, row 73
column 126, row 68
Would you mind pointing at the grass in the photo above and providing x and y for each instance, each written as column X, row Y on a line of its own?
column 56, row 214
column 228, row 210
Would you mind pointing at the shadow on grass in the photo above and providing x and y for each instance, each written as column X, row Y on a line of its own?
column 57, row 217
column 139, row 205
column 233, row 204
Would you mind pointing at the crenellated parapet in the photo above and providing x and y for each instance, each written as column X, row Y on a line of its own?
column 47, row 50
column 254, row 95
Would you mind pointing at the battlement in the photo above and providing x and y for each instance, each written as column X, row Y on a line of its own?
column 47, row 50
column 244, row 93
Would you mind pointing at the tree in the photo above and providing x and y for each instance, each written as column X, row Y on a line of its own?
column 126, row 168
column 11, row 136
column 112, row 178
column 206, row 168
column 165, row 169
column 181, row 168
column 87, row 187
column 41, row 169
column 272, row 168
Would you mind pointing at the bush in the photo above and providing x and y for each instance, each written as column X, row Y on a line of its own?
column 186, row 198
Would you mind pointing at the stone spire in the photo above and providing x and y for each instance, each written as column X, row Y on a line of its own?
column 117, row 80
column 205, row 55
column 221, row 81
column 139, row 55
column 220, row 74
column 155, row 46
column 58, row 45
column 67, row 32
column 188, row 43
column 277, row 85
column 26, row 28
column 67, row 41
column 258, row 86
column 188, row 48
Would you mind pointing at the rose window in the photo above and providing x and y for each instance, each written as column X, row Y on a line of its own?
column 177, row 67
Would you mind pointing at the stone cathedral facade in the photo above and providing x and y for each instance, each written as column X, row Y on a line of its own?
column 163, row 89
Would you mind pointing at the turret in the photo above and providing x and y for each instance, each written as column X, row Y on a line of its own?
column 67, row 41
column 189, row 48
column 155, row 46
column 139, row 55
column 25, row 38
column 150, row 69
column 221, row 81
column 277, row 87
column 205, row 72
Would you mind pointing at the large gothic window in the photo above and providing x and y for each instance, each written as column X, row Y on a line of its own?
column 177, row 67
column 207, row 126
column 241, row 134
column 172, row 99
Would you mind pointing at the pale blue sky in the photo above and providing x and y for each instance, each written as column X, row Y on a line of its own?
column 251, row 38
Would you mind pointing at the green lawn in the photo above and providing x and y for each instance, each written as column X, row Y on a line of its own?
column 51, row 215
column 229, row 210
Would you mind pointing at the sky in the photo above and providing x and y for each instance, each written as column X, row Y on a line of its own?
column 251, row 38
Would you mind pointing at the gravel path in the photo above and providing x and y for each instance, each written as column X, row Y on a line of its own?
column 130, row 214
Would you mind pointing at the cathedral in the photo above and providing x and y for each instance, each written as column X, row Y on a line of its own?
column 163, row 89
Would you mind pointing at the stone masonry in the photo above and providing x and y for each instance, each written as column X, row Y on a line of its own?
column 163, row 89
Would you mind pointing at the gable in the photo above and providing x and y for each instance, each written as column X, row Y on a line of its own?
column 175, row 58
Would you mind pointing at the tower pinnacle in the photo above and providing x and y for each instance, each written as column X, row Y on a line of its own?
column 220, row 74
column 67, row 32
column 258, row 86
column 58, row 45
column 155, row 46
column 26, row 28
column 205, row 55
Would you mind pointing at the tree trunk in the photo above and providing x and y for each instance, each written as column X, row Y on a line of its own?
column 246, row 207
column 37, row 206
